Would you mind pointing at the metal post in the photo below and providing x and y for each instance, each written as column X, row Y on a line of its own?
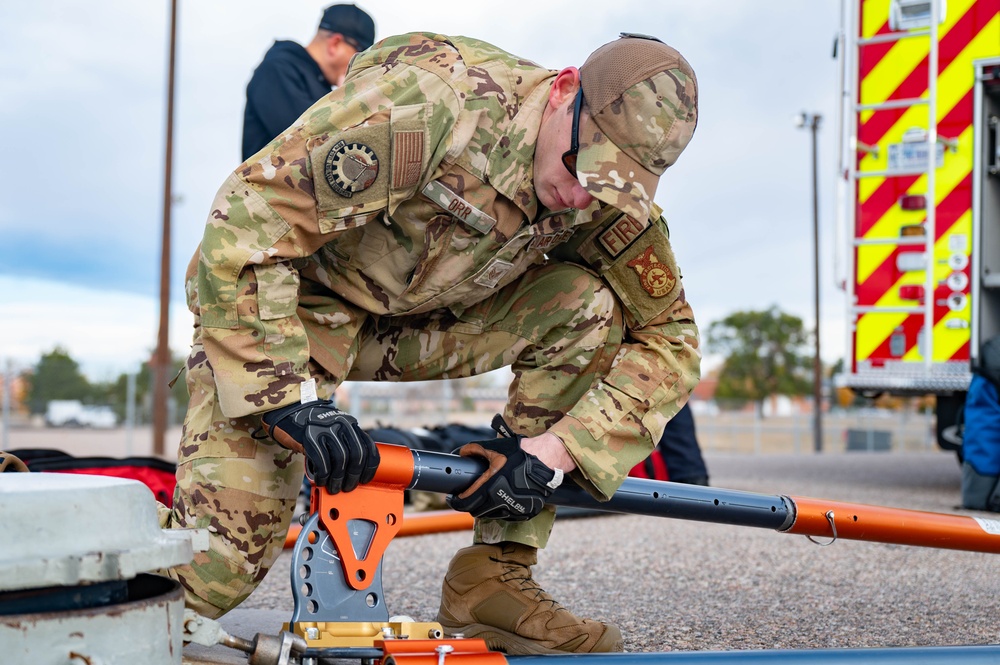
column 817, row 361
column 812, row 121
column 757, row 419
column 160, row 365
column 129, row 411
column 8, row 388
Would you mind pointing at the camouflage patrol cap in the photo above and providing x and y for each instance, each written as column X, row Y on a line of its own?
column 643, row 101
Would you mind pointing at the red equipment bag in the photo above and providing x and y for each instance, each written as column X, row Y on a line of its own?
column 156, row 474
column 653, row 467
column 677, row 456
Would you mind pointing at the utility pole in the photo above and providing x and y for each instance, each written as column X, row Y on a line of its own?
column 161, row 357
column 812, row 121
column 8, row 388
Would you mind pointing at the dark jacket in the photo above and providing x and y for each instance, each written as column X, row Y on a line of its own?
column 679, row 446
column 285, row 83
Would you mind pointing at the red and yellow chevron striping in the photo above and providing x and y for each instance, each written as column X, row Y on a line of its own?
column 889, row 275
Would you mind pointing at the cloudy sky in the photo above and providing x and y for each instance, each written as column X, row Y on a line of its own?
column 82, row 112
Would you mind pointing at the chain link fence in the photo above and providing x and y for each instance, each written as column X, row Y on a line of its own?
column 847, row 430
column 720, row 427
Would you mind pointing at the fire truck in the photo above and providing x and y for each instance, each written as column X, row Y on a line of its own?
column 920, row 174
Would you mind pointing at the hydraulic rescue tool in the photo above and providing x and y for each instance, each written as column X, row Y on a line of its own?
column 336, row 573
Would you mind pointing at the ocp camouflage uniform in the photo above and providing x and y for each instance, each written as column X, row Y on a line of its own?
column 393, row 234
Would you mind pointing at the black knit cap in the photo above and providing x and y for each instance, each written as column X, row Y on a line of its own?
column 351, row 22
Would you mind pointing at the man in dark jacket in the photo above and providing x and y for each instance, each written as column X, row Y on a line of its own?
column 291, row 78
column 680, row 450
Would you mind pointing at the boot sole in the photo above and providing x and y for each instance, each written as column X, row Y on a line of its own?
column 515, row 645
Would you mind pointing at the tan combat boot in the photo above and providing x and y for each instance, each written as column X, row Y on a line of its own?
column 488, row 594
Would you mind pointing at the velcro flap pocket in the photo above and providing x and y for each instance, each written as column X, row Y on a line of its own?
column 608, row 405
column 242, row 227
column 626, row 388
column 638, row 382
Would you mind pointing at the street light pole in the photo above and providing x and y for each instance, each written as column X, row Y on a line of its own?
column 812, row 121
column 161, row 357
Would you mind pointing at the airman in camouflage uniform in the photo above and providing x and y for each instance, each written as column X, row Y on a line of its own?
column 418, row 223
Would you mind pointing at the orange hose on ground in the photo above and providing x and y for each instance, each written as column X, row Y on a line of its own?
column 415, row 524
column 435, row 521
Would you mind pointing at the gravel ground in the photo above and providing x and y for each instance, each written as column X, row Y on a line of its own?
column 678, row 585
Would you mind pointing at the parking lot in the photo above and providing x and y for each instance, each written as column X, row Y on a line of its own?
column 679, row 585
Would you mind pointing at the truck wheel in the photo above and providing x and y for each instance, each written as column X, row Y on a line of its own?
column 949, row 425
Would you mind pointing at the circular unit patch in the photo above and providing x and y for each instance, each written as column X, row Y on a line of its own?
column 350, row 168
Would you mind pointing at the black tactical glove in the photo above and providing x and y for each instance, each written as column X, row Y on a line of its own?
column 339, row 455
column 515, row 485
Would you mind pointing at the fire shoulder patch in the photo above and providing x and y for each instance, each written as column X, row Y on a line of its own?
column 644, row 275
column 617, row 236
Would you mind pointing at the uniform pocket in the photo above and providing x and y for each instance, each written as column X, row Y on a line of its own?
column 620, row 394
column 277, row 290
column 375, row 244
column 610, row 405
column 208, row 433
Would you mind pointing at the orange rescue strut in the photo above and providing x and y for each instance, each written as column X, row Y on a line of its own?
column 402, row 468
column 336, row 559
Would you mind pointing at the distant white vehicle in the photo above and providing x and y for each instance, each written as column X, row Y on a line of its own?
column 73, row 413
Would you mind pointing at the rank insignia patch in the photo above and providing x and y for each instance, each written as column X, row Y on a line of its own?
column 655, row 277
column 350, row 168
column 493, row 273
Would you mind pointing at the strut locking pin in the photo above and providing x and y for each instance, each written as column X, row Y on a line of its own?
column 443, row 651
column 829, row 518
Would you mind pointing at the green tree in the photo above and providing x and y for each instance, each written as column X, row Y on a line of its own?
column 765, row 354
column 56, row 376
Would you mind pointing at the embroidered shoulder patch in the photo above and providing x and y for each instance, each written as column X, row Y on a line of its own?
column 350, row 168
column 617, row 236
column 645, row 275
column 349, row 172
column 655, row 277
column 407, row 158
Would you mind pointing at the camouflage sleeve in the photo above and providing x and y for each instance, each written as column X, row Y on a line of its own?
column 620, row 420
column 352, row 156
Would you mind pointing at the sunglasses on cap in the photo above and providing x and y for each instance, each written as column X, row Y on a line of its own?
column 569, row 157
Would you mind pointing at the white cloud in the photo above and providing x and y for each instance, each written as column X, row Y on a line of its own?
column 85, row 134
column 107, row 332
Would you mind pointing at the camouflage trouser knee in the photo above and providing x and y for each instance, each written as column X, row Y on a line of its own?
column 558, row 328
column 242, row 490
